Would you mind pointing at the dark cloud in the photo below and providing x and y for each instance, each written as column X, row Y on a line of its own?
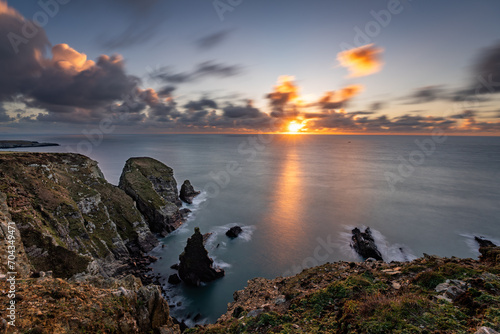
column 20, row 52
column 427, row 94
column 464, row 114
column 166, row 91
column 247, row 111
column 201, row 71
column 212, row 40
column 487, row 71
column 338, row 99
column 141, row 22
column 200, row 104
column 376, row 106
column 341, row 121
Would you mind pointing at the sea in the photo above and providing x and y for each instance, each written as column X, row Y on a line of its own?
column 297, row 198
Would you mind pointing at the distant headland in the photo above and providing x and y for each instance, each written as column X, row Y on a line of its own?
column 4, row 144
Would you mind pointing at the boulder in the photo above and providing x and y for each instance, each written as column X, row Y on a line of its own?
column 233, row 232
column 153, row 187
column 187, row 192
column 195, row 265
column 364, row 244
column 174, row 279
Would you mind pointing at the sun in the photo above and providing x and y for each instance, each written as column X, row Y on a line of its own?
column 295, row 127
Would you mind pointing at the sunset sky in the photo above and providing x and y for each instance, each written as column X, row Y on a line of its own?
column 245, row 66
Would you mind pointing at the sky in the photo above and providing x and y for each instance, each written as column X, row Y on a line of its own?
column 241, row 66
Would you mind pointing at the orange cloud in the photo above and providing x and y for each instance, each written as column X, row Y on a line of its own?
column 68, row 58
column 361, row 61
column 286, row 90
column 336, row 99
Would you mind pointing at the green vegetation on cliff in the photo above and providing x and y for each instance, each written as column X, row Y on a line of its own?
column 428, row 295
column 67, row 213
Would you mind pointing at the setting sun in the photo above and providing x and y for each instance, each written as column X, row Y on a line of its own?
column 294, row 126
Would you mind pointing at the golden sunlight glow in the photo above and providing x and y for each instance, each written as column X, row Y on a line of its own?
column 295, row 127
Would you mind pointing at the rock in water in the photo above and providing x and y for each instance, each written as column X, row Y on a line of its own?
column 195, row 265
column 364, row 245
column 152, row 185
column 188, row 193
column 483, row 242
column 174, row 279
column 233, row 232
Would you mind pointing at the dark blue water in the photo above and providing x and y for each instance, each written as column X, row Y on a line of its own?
column 298, row 196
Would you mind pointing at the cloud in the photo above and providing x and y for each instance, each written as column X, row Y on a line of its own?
column 487, row 71
column 3, row 115
column 376, row 106
column 166, row 91
column 427, row 94
column 141, row 19
column 201, row 104
column 281, row 99
column 201, row 71
column 337, row 99
column 20, row 57
column 247, row 111
column 361, row 61
column 209, row 41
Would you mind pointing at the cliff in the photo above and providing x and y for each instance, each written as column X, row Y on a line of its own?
column 69, row 218
column 66, row 221
column 427, row 295
column 152, row 185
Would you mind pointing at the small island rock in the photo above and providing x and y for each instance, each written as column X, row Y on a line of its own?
column 234, row 231
column 195, row 265
column 187, row 192
column 364, row 245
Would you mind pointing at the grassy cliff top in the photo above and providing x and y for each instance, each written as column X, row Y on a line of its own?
column 428, row 295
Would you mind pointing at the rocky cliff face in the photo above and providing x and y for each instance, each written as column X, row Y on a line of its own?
column 70, row 219
column 64, row 218
column 152, row 185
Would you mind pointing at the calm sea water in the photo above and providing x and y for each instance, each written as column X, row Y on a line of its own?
column 298, row 196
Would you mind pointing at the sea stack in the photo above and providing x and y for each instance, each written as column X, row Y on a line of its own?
column 195, row 265
column 364, row 245
column 187, row 192
column 153, row 187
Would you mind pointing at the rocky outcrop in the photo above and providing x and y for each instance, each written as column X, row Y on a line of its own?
column 90, row 304
column 187, row 192
column 234, row 231
column 153, row 187
column 195, row 265
column 484, row 242
column 70, row 219
column 364, row 245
